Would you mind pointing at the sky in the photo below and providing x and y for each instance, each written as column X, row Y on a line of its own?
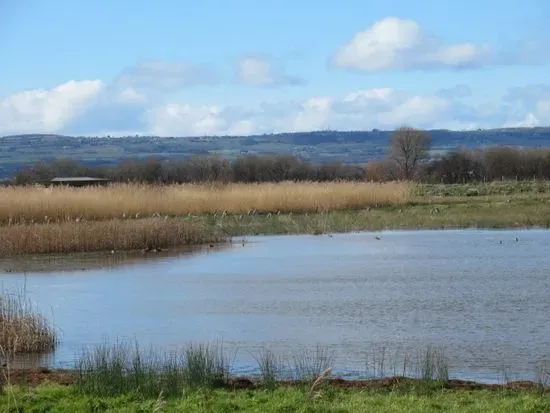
column 241, row 67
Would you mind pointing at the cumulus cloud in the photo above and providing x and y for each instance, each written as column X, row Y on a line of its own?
column 186, row 120
column 43, row 110
column 260, row 71
column 314, row 114
column 91, row 108
column 164, row 76
column 394, row 43
column 528, row 121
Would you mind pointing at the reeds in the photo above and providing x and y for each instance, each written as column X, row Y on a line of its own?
column 270, row 366
column 309, row 364
column 116, row 234
column 428, row 364
column 122, row 368
column 22, row 328
column 34, row 204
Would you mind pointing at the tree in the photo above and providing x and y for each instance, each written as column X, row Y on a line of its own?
column 408, row 148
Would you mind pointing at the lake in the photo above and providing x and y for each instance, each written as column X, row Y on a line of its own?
column 484, row 295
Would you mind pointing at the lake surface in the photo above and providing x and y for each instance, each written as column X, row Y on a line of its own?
column 483, row 295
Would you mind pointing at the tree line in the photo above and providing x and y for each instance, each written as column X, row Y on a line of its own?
column 246, row 169
column 408, row 158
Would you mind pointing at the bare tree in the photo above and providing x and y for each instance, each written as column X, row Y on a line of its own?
column 408, row 147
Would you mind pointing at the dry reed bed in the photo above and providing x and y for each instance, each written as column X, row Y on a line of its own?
column 22, row 328
column 88, row 236
column 38, row 204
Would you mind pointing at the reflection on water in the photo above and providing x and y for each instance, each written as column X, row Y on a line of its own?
column 24, row 361
column 483, row 295
column 93, row 260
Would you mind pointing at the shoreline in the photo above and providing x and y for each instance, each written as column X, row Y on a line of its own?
column 37, row 376
column 90, row 260
column 496, row 205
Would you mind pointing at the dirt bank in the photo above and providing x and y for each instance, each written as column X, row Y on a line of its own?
column 36, row 376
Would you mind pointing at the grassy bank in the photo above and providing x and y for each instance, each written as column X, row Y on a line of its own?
column 47, row 205
column 326, row 400
column 22, row 328
column 123, row 377
column 483, row 212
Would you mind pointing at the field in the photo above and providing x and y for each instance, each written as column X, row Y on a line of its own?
column 67, row 399
column 145, row 217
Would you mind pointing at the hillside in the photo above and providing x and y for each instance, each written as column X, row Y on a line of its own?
column 326, row 146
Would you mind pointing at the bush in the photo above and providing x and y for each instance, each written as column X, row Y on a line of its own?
column 22, row 328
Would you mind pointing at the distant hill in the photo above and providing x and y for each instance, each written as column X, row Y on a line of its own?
column 20, row 151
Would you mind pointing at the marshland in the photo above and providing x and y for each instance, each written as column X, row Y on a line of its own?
column 285, row 283
column 122, row 217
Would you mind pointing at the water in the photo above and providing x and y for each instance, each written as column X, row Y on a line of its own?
column 482, row 295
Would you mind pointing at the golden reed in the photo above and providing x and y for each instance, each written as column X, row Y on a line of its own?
column 45, row 205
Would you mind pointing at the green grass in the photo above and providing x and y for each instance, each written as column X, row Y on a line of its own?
column 124, row 368
column 51, row 398
column 423, row 213
column 484, row 188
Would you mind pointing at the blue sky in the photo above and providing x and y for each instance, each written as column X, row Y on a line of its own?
column 183, row 68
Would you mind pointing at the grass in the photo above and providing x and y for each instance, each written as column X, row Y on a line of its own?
column 430, row 364
column 310, row 364
column 270, row 366
column 122, row 368
column 484, row 188
column 116, row 234
column 45, row 205
column 123, row 377
column 423, row 214
column 329, row 400
column 22, row 328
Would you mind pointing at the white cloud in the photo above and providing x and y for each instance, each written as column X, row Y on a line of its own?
column 314, row 114
column 130, row 95
column 242, row 127
column 394, row 43
column 260, row 71
column 42, row 110
column 91, row 108
column 422, row 111
column 183, row 119
column 164, row 76
column 528, row 121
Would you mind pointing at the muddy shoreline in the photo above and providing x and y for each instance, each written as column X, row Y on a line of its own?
column 34, row 377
